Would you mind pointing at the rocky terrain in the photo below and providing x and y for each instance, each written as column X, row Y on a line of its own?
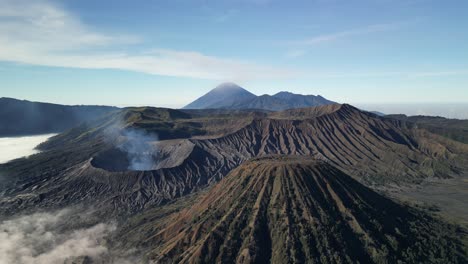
column 375, row 151
column 294, row 209
column 160, row 173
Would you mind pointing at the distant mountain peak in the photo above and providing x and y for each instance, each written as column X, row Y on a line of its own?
column 283, row 93
column 232, row 96
column 228, row 86
column 228, row 89
column 225, row 94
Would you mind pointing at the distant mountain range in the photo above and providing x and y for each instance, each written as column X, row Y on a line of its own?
column 21, row 117
column 232, row 96
column 451, row 128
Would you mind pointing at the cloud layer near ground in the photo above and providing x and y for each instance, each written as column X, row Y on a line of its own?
column 17, row 147
column 36, row 239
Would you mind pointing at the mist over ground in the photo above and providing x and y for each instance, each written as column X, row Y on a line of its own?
column 37, row 238
column 17, row 147
column 68, row 235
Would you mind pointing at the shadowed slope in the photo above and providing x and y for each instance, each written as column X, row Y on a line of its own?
column 294, row 209
column 21, row 117
column 376, row 151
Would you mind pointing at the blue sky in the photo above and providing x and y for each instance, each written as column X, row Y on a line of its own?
column 167, row 53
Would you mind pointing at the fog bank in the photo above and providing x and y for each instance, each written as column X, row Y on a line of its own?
column 16, row 147
column 37, row 239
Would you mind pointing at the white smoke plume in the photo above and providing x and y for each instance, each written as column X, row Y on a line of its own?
column 139, row 150
column 41, row 239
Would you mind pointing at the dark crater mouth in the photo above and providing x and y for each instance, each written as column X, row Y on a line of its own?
column 117, row 160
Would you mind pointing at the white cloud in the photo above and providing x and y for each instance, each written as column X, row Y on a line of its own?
column 439, row 73
column 325, row 38
column 408, row 74
column 41, row 26
column 291, row 54
column 17, row 147
column 349, row 33
column 41, row 33
column 35, row 239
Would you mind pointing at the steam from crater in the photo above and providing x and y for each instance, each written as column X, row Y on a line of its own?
column 139, row 150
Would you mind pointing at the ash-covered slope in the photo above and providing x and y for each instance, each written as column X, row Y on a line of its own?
column 292, row 209
column 376, row 151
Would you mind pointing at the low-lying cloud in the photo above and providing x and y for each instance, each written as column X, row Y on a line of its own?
column 17, row 147
column 41, row 238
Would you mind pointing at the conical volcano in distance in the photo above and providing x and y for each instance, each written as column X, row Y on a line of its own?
column 232, row 96
column 224, row 95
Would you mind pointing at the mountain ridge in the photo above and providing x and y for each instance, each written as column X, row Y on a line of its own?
column 322, row 165
column 23, row 117
column 456, row 129
column 296, row 209
column 224, row 94
column 376, row 151
column 239, row 98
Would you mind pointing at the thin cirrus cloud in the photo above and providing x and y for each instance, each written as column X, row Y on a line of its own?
column 326, row 38
column 441, row 73
column 291, row 54
column 41, row 33
column 389, row 74
column 349, row 33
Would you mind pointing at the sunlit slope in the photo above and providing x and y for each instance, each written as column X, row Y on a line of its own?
column 292, row 209
column 80, row 165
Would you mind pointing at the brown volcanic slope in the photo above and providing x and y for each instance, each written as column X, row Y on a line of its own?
column 374, row 150
column 294, row 209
